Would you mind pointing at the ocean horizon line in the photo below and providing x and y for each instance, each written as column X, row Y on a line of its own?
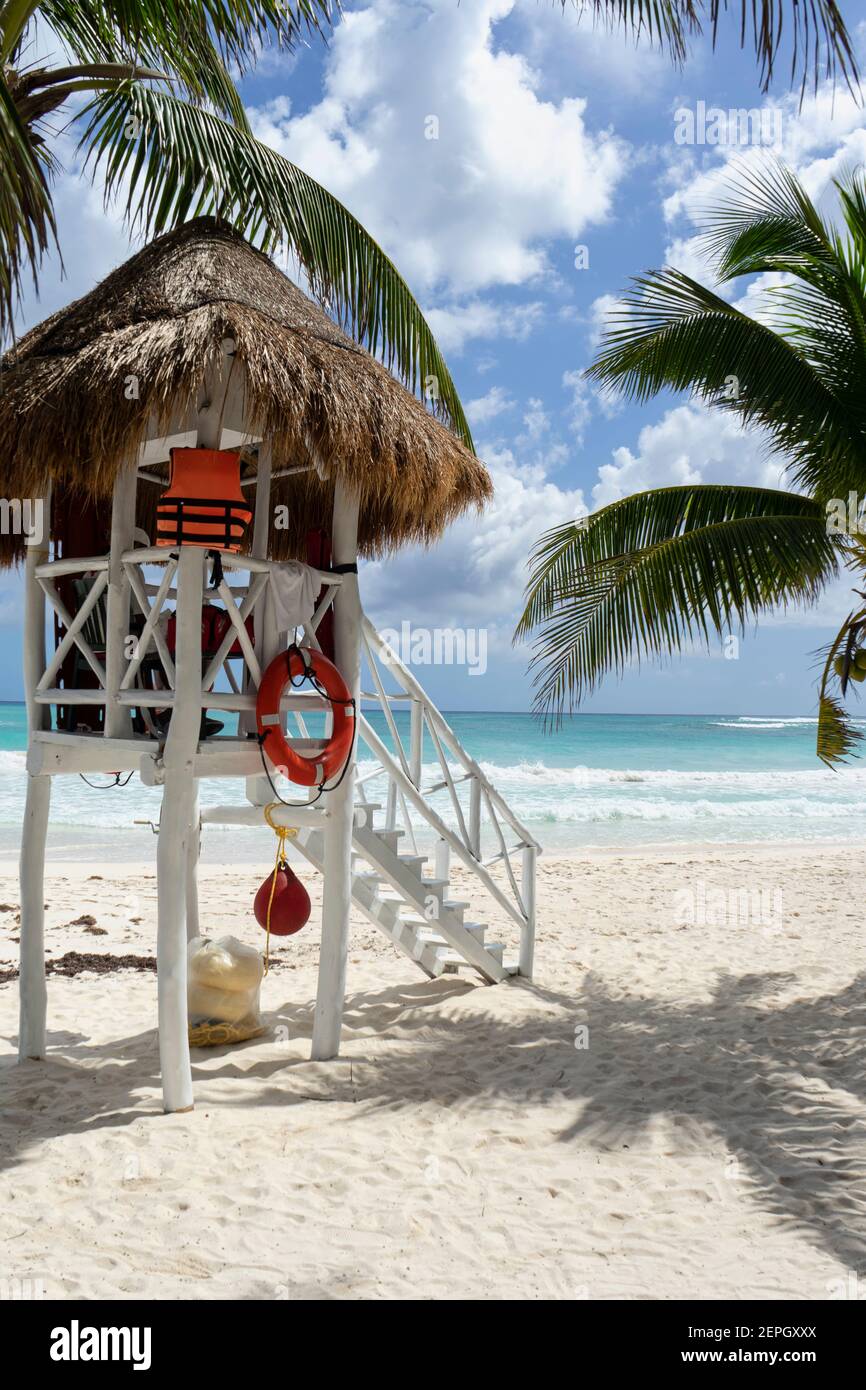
column 588, row 714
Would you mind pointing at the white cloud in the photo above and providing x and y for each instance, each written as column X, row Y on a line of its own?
column 487, row 407
column 455, row 324
column 475, row 576
column 92, row 242
column 819, row 142
column 536, row 421
column 690, row 444
column 600, row 313
column 580, row 408
column 506, row 172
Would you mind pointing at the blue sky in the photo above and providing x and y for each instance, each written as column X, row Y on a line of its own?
column 550, row 136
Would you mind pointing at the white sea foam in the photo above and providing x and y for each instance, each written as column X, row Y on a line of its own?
column 539, row 776
column 610, row 805
column 663, row 808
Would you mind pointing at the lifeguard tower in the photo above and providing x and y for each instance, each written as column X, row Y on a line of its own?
column 200, row 341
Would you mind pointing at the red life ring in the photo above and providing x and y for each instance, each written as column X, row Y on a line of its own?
column 285, row 668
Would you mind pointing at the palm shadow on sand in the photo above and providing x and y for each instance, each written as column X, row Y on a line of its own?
column 781, row 1088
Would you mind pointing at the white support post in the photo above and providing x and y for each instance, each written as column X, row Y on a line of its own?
column 267, row 639
column 391, row 806
column 192, row 858
column 475, row 817
column 176, row 834
column 32, row 988
column 118, row 717
column 38, row 716
column 443, row 861
column 337, row 897
column 527, row 934
column 34, row 831
column 176, row 827
column 259, row 548
column 416, row 739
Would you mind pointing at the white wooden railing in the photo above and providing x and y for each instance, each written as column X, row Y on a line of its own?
column 153, row 599
column 480, row 819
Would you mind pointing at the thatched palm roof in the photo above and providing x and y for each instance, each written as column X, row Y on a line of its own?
column 161, row 317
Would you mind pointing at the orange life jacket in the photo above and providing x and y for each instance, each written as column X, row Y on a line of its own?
column 203, row 504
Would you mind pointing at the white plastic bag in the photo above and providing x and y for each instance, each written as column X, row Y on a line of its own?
column 223, row 983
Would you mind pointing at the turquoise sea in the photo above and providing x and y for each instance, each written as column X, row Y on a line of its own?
column 599, row 781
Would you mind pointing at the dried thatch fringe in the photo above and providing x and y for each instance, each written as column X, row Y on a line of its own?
column 161, row 317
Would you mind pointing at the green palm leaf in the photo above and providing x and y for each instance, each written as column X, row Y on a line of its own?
column 806, row 391
column 819, row 42
column 651, row 573
column 27, row 226
column 184, row 162
column 837, row 737
column 196, row 40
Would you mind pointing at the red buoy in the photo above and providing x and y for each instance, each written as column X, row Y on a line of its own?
column 290, row 909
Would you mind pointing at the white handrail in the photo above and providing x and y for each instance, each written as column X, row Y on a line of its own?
column 231, row 560
column 371, row 738
column 404, row 786
column 449, row 738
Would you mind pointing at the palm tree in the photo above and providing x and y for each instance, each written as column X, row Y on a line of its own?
column 647, row 575
column 166, row 124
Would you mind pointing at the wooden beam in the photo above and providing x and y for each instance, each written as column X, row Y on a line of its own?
column 118, row 721
column 266, row 637
column 38, row 717
column 175, row 834
column 337, row 899
column 177, row 827
column 73, row 636
column 31, row 983
column 527, row 932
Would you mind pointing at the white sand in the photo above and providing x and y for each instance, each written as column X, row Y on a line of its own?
column 711, row 1141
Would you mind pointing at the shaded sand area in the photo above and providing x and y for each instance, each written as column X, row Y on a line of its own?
column 676, row 1107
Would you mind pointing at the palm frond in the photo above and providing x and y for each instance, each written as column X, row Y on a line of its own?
column 177, row 162
column 649, row 574
column 837, row 738
column 818, row 39
column 672, row 332
column 15, row 16
column 27, row 226
column 197, row 40
column 765, row 216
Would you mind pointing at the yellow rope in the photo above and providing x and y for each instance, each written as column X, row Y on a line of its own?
column 283, row 833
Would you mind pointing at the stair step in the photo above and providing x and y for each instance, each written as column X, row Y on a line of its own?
column 413, row 862
column 429, row 933
column 446, row 956
column 389, row 837
column 437, row 886
column 450, row 906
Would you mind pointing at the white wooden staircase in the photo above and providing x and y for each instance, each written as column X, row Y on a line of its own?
column 414, row 911
column 389, row 883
